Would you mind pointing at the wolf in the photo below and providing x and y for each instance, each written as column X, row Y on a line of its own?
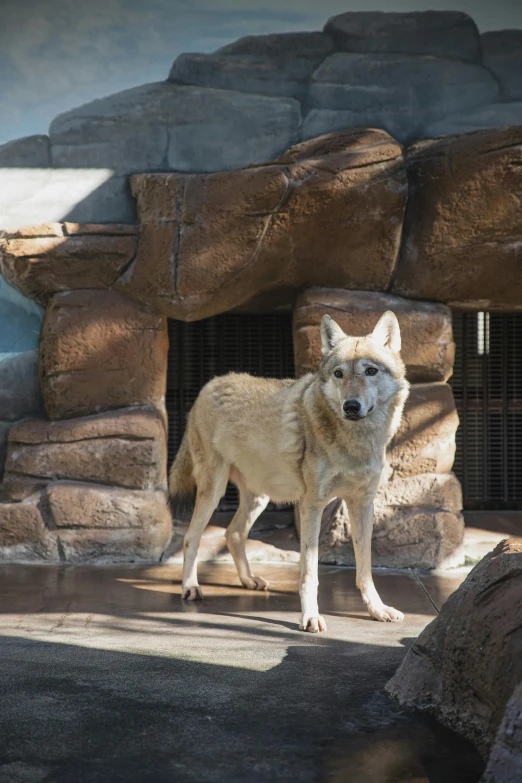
column 303, row 441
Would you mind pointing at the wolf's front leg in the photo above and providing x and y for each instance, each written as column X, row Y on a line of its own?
column 310, row 517
column 361, row 521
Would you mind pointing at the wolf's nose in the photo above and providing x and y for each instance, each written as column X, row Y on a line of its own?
column 351, row 406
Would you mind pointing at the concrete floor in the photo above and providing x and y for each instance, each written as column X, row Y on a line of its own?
column 108, row 676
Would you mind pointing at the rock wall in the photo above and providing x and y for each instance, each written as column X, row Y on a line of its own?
column 415, row 75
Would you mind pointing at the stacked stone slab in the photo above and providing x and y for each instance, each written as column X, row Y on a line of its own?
column 417, row 508
column 88, row 483
column 415, row 75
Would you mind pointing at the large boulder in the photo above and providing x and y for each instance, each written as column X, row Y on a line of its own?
column 465, row 665
column 494, row 116
column 502, row 54
column 442, row 34
column 422, row 86
column 244, row 73
column 100, row 351
column 166, row 126
column 428, row 349
column 126, row 448
column 505, row 759
column 462, row 239
column 42, row 260
column 404, row 126
column 425, row 440
column 28, row 152
column 209, row 243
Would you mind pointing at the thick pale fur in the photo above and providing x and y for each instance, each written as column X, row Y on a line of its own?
column 291, row 441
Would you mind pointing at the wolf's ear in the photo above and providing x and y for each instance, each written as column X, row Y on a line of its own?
column 387, row 332
column 331, row 334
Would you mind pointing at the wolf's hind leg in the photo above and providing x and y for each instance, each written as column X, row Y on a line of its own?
column 210, row 491
column 250, row 508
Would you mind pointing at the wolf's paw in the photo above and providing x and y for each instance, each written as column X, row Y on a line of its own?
column 385, row 614
column 314, row 624
column 255, row 583
column 192, row 593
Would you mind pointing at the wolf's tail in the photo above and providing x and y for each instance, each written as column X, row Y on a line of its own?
column 182, row 486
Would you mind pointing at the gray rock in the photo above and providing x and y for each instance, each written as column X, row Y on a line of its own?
column 376, row 82
column 244, row 73
column 502, row 53
column 216, row 130
column 505, row 760
column 448, row 34
column 402, row 125
column 5, row 426
column 311, row 46
column 19, row 386
column 496, row 115
column 28, row 152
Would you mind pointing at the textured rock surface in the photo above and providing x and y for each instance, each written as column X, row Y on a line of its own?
column 28, row 152
column 282, row 46
column 19, row 388
column 100, row 351
column 464, row 666
column 505, row 759
column 5, row 426
column 403, row 126
column 462, row 231
column 502, row 54
column 495, row 116
column 425, row 85
column 207, row 243
column 425, row 441
column 244, row 73
column 428, row 349
column 23, row 533
column 42, row 260
column 125, row 448
column 449, row 34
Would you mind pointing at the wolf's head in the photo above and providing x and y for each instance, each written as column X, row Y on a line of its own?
column 361, row 375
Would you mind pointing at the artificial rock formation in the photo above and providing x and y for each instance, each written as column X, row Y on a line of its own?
column 466, row 668
column 100, row 351
column 462, row 232
column 217, row 239
column 124, row 448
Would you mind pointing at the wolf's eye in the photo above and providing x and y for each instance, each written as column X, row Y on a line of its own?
column 371, row 371
column 338, row 373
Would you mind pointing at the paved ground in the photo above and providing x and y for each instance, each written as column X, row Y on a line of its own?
column 107, row 676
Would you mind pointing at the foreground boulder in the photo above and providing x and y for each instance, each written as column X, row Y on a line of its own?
column 505, row 760
column 209, row 243
column 466, row 664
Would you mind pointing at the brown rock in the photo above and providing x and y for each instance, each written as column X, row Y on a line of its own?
column 126, row 448
column 111, row 229
column 42, row 265
column 74, row 505
column 462, row 233
column 208, row 243
column 425, row 441
column 428, row 349
column 100, row 351
column 465, row 665
column 23, row 534
column 115, row 546
column 428, row 490
column 505, row 760
column 41, row 230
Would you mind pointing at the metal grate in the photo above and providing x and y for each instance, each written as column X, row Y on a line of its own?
column 241, row 342
column 487, row 384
